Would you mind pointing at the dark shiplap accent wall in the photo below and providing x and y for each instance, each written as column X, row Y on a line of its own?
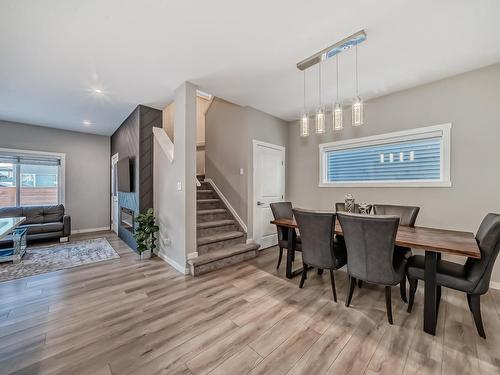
column 134, row 139
column 149, row 118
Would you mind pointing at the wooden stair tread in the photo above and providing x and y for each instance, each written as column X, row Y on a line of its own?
column 219, row 237
column 204, row 191
column 211, row 211
column 214, row 224
column 222, row 253
column 209, row 200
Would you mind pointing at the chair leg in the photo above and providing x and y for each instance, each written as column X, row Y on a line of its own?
column 468, row 302
column 352, row 285
column 320, row 271
column 413, row 289
column 279, row 258
column 388, row 303
column 304, row 275
column 438, row 298
column 360, row 284
column 475, row 301
column 332, row 279
column 402, row 289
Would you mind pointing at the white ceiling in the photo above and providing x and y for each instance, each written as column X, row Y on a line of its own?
column 53, row 53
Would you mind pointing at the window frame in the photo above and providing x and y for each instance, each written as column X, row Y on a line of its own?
column 61, row 178
column 443, row 131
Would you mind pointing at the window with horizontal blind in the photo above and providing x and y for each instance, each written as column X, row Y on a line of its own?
column 413, row 158
column 29, row 178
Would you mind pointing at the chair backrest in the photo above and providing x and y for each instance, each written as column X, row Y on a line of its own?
column 317, row 231
column 407, row 214
column 282, row 210
column 370, row 246
column 340, row 207
column 478, row 271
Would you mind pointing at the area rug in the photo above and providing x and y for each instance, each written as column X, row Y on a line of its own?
column 44, row 259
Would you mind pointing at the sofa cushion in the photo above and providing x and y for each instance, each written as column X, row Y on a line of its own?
column 53, row 213
column 52, row 227
column 33, row 214
column 33, row 228
column 11, row 212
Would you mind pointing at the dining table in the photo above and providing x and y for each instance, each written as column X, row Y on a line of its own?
column 432, row 241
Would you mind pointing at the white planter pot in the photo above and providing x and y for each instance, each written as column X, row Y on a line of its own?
column 146, row 254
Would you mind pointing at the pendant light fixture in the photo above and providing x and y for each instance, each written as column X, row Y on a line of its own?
column 320, row 113
column 337, row 107
column 357, row 103
column 304, row 117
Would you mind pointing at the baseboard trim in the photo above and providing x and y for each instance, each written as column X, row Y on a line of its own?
column 192, row 255
column 89, row 230
column 494, row 285
column 173, row 263
column 226, row 202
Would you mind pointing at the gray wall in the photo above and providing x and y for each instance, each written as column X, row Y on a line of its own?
column 87, row 168
column 229, row 132
column 471, row 102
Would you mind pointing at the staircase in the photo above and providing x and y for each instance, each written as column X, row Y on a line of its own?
column 220, row 239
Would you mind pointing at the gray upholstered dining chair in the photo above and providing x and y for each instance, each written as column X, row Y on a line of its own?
column 472, row 278
column 317, row 231
column 407, row 217
column 370, row 248
column 340, row 207
column 283, row 210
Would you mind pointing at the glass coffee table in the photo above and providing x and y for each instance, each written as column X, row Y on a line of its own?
column 9, row 230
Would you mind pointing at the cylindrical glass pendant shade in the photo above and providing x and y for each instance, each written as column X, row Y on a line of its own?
column 337, row 117
column 320, row 121
column 357, row 111
column 304, row 125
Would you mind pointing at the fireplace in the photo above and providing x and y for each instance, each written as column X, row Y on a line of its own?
column 127, row 219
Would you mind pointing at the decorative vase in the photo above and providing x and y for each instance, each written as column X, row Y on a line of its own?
column 349, row 203
column 363, row 208
column 146, row 254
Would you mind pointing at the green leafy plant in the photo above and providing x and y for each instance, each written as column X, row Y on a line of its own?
column 145, row 233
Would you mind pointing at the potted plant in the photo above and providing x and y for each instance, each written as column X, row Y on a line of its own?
column 145, row 233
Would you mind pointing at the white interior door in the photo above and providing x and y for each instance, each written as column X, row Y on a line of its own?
column 114, row 193
column 268, row 187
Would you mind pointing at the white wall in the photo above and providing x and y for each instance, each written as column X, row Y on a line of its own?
column 471, row 102
column 87, row 168
column 176, row 209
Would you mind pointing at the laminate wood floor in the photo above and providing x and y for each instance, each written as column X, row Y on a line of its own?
column 126, row 316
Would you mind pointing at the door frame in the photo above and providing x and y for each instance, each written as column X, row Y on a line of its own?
column 114, row 215
column 256, row 144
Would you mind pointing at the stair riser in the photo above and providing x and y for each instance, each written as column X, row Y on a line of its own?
column 221, row 263
column 209, row 205
column 204, row 186
column 216, row 230
column 203, row 249
column 213, row 217
column 210, row 195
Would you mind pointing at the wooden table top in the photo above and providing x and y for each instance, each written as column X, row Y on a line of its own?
column 430, row 239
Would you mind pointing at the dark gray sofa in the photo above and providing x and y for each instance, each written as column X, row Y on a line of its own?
column 43, row 222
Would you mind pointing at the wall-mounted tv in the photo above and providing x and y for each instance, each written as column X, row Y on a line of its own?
column 125, row 175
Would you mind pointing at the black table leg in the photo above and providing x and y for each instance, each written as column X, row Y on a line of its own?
column 290, row 255
column 430, row 306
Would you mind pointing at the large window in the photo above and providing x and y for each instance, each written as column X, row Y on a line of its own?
column 30, row 178
column 414, row 158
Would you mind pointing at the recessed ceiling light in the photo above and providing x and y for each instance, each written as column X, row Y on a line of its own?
column 98, row 91
column 87, row 122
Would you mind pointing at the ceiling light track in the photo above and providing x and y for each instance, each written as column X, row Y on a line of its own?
column 333, row 50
